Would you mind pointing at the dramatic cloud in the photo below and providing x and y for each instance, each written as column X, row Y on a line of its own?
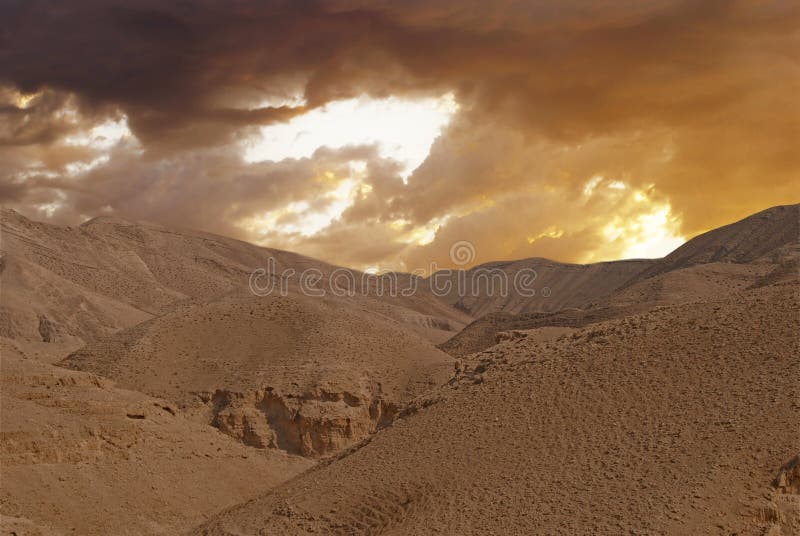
column 580, row 130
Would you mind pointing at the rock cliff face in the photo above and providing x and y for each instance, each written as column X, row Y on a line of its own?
column 783, row 511
column 314, row 424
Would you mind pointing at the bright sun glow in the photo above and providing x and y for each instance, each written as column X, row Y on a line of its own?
column 647, row 236
column 102, row 136
column 550, row 232
column 24, row 100
column 645, row 229
column 403, row 129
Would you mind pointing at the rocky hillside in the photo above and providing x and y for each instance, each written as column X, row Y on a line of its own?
column 764, row 236
column 760, row 250
column 308, row 376
column 82, row 456
column 681, row 420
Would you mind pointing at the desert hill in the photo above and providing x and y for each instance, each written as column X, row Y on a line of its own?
column 764, row 236
column 79, row 455
column 89, row 281
column 155, row 467
column 646, row 396
column 568, row 285
column 685, row 285
column 673, row 421
column 51, row 315
column 710, row 265
column 307, row 375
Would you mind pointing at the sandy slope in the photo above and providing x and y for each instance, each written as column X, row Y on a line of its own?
column 305, row 375
column 567, row 285
column 713, row 264
column 88, row 281
column 81, row 456
column 675, row 421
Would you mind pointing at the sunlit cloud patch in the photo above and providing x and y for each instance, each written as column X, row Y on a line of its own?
column 403, row 129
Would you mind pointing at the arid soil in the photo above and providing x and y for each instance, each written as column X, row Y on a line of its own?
column 675, row 421
column 145, row 390
column 90, row 281
column 307, row 375
column 81, row 456
column 710, row 265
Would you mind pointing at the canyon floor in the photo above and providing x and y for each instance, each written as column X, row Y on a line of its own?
column 144, row 389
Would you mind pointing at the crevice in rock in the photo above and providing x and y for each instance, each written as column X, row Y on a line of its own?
column 46, row 329
column 313, row 424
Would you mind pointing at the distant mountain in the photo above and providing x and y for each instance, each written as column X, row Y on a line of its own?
column 770, row 233
column 72, row 285
column 556, row 285
column 761, row 249
column 766, row 235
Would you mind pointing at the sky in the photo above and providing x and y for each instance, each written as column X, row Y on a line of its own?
column 375, row 134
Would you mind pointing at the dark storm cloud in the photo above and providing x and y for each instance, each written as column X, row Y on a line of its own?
column 567, row 69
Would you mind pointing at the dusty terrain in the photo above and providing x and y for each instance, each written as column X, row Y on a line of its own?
column 708, row 266
column 81, row 456
column 675, row 421
column 145, row 390
column 89, row 281
column 306, row 375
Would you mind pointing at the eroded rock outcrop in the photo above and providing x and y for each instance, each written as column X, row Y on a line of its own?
column 315, row 423
column 788, row 479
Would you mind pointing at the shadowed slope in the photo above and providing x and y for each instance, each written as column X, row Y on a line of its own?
column 556, row 285
column 764, row 234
